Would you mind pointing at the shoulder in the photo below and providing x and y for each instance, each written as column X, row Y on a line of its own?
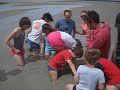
column 81, row 67
column 60, row 20
column 17, row 30
column 39, row 21
column 72, row 20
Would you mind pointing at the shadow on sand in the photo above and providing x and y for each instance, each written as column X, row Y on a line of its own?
column 4, row 75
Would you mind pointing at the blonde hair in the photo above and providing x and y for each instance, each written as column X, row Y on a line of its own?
column 92, row 55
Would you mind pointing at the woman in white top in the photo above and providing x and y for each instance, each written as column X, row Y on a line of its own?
column 61, row 40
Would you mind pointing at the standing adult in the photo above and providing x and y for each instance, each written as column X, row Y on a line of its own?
column 66, row 24
column 99, row 36
column 116, row 52
column 34, row 37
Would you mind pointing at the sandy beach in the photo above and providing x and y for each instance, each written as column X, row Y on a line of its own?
column 34, row 75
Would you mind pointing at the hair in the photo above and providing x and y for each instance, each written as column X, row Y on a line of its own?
column 92, row 55
column 47, row 27
column 84, row 12
column 93, row 16
column 67, row 11
column 78, row 43
column 24, row 21
column 78, row 51
column 47, row 16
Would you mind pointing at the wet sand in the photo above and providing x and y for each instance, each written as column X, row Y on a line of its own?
column 34, row 75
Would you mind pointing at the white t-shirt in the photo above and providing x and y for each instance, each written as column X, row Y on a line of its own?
column 89, row 77
column 68, row 40
column 36, row 32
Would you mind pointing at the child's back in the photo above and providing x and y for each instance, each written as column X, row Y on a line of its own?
column 89, row 77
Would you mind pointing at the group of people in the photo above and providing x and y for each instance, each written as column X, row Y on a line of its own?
column 98, row 73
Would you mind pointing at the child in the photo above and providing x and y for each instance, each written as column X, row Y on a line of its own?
column 35, row 35
column 111, row 72
column 47, row 29
column 18, row 35
column 63, row 57
column 61, row 40
column 88, row 77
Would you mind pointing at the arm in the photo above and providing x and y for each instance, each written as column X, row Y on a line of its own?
column 76, row 79
column 101, row 86
column 72, row 66
column 42, row 45
column 56, row 26
column 9, row 38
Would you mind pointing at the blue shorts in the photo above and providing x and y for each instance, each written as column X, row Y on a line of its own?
column 33, row 46
column 50, row 68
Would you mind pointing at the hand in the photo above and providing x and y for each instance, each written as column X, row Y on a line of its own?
column 17, row 51
column 41, row 54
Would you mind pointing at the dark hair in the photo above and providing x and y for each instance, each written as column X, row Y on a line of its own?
column 78, row 43
column 47, row 27
column 67, row 11
column 24, row 21
column 47, row 16
column 78, row 51
column 84, row 11
column 92, row 55
column 93, row 16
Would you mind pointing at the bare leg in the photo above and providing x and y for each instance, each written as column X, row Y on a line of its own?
column 69, row 86
column 18, row 58
column 54, row 75
column 47, row 55
column 111, row 87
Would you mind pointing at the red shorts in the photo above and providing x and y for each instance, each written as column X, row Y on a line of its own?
column 12, row 52
column 55, row 40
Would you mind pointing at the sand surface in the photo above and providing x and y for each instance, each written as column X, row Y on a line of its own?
column 34, row 75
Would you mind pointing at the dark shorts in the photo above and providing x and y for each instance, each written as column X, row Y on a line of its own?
column 117, row 86
column 74, row 88
column 50, row 68
column 33, row 46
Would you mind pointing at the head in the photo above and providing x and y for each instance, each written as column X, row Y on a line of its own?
column 77, row 52
column 92, row 55
column 46, row 28
column 78, row 43
column 47, row 17
column 93, row 19
column 25, row 23
column 67, row 15
column 83, row 15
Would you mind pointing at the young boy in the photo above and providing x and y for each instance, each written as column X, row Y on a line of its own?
column 63, row 57
column 88, row 77
column 18, row 35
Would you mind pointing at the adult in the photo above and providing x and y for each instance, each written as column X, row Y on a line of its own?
column 99, row 36
column 116, row 52
column 34, row 37
column 84, row 26
column 61, row 40
column 66, row 24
